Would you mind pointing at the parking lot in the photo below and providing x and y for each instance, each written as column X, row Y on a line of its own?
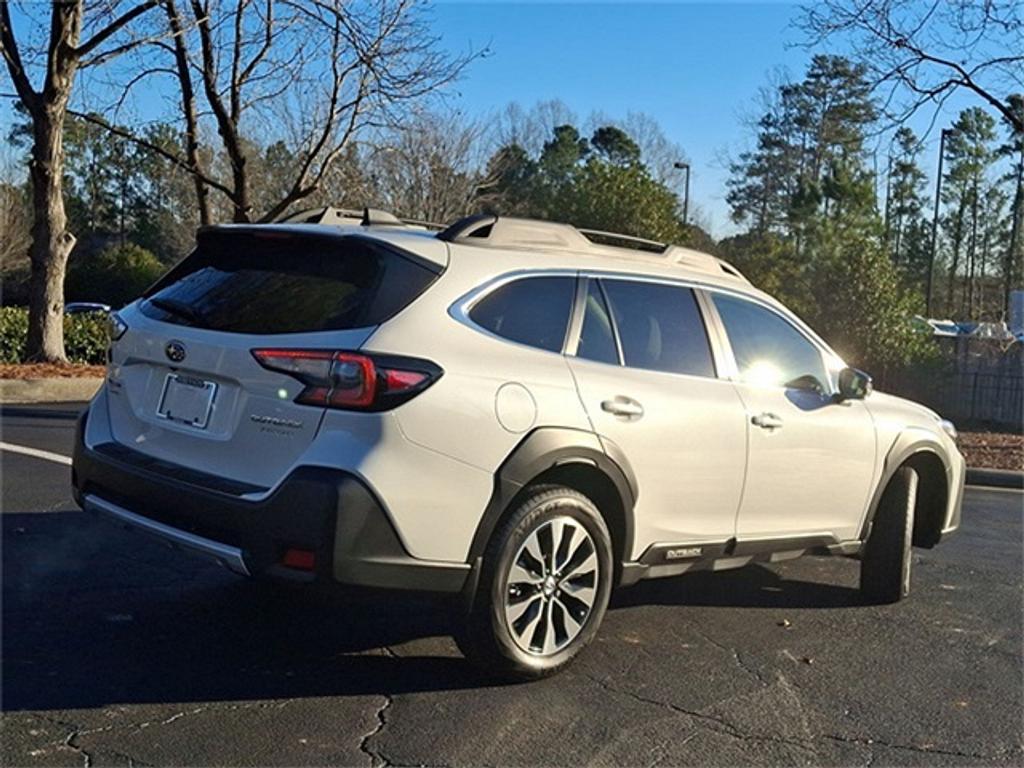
column 119, row 651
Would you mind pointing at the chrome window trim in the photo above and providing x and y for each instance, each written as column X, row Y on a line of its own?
column 717, row 337
column 460, row 309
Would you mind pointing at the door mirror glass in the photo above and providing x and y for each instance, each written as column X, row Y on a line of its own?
column 854, row 384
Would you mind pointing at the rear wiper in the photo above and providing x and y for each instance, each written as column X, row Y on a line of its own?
column 179, row 308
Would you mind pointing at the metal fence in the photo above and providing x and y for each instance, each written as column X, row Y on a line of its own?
column 982, row 384
column 970, row 397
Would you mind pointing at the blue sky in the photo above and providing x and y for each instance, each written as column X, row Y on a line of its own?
column 695, row 67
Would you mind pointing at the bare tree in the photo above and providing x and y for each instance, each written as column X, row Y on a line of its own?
column 307, row 75
column 47, row 106
column 921, row 52
column 15, row 217
column 530, row 128
column 432, row 168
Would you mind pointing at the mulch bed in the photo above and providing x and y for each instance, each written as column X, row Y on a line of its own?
column 993, row 450
column 50, row 371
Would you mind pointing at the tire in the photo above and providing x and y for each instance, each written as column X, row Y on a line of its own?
column 886, row 560
column 528, row 619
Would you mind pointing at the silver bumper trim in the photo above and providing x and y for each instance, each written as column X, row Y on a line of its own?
column 229, row 557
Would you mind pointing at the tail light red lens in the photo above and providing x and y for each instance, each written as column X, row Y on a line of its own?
column 351, row 380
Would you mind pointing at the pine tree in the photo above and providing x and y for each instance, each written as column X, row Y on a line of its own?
column 905, row 202
column 1013, row 150
column 969, row 156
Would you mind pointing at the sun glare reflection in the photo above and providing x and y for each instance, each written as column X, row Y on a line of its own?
column 763, row 374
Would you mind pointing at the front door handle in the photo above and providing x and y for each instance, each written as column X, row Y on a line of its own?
column 626, row 407
column 767, row 421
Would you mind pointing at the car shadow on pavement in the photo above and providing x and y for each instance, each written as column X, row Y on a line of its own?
column 94, row 615
column 753, row 586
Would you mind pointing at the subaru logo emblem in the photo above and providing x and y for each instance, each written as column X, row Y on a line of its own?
column 175, row 351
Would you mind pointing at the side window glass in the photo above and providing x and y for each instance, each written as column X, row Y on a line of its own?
column 533, row 311
column 660, row 327
column 597, row 342
column 767, row 348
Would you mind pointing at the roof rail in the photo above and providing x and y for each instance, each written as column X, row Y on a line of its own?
column 636, row 243
column 509, row 232
column 367, row 217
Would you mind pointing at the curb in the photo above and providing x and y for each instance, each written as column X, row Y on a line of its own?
column 996, row 478
column 56, row 390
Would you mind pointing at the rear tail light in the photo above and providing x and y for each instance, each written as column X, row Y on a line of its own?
column 351, row 380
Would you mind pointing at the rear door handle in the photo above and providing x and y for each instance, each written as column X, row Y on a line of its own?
column 767, row 421
column 623, row 406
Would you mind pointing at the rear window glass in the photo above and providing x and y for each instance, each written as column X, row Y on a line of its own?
column 533, row 311
column 271, row 283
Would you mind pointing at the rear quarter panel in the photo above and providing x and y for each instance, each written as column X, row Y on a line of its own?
column 458, row 416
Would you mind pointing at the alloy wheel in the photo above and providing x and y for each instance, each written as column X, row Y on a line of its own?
column 551, row 586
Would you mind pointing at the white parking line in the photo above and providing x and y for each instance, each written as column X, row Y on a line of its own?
column 36, row 453
column 994, row 488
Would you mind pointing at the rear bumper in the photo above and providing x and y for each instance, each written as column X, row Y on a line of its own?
column 327, row 511
column 230, row 557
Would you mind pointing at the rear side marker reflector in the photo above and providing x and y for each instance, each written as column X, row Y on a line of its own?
column 351, row 380
column 299, row 559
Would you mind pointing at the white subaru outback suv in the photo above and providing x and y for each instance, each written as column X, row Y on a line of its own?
column 518, row 412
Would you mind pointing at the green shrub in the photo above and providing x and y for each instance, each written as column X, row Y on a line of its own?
column 13, row 331
column 114, row 276
column 85, row 336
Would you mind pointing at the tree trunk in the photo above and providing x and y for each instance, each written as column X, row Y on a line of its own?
column 1011, row 265
column 188, row 107
column 51, row 242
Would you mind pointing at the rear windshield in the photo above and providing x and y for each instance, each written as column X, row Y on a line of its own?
column 267, row 283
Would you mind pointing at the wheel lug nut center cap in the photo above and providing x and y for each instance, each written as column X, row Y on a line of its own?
column 549, row 586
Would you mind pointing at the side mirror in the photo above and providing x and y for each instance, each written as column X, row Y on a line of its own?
column 854, row 384
column 807, row 383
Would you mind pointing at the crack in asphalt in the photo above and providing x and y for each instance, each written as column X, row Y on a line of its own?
column 735, row 654
column 870, row 742
column 726, row 728
column 377, row 758
column 76, row 732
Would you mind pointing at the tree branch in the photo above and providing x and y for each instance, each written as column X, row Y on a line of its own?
column 9, row 48
column 84, row 49
column 156, row 148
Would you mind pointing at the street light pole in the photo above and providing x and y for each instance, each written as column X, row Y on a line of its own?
column 935, row 225
column 686, row 191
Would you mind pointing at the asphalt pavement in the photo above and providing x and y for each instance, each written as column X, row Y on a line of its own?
column 117, row 651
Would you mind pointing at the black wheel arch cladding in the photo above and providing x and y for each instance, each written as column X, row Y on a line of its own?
column 550, row 448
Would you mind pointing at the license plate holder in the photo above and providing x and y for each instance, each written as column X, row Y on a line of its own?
column 186, row 400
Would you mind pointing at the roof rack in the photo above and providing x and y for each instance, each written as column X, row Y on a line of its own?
column 367, row 217
column 510, row 232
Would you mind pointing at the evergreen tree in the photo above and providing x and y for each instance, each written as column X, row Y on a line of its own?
column 905, row 202
column 969, row 156
column 1013, row 150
